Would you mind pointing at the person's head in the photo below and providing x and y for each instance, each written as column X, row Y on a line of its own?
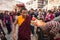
column 7, row 12
column 40, row 10
column 31, row 10
column 54, row 26
column 11, row 13
column 36, row 10
column 24, row 11
column 49, row 11
column 19, row 7
column 58, row 10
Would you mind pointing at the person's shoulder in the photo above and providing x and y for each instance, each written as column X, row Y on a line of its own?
column 28, row 15
column 19, row 16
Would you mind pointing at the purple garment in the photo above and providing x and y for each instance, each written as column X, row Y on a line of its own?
column 58, row 39
column 57, row 14
column 7, row 17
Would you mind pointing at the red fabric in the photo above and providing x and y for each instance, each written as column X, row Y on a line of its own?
column 20, row 5
column 49, row 16
column 46, row 17
column 58, row 39
column 33, row 18
column 24, row 30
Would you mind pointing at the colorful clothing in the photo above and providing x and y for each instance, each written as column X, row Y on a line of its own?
column 20, row 20
column 49, row 17
column 24, row 29
column 40, row 23
column 53, row 26
column 8, row 22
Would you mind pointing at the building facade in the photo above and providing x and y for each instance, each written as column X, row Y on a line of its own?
column 52, row 3
column 36, row 4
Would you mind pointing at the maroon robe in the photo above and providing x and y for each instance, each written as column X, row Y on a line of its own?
column 58, row 39
column 24, row 30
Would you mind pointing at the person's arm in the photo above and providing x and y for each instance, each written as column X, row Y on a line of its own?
column 14, row 30
column 3, row 22
column 11, row 20
column 15, row 22
column 15, row 25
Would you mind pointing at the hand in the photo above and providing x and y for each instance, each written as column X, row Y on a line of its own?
column 14, row 36
column 4, row 25
column 38, row 30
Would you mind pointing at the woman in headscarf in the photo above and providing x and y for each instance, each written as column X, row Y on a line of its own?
column 52, row 28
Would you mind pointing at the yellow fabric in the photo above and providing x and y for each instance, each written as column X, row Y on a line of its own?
column 41, row 23
column 20, row 20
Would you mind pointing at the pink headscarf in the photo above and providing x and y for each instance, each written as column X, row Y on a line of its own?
column 54, row 26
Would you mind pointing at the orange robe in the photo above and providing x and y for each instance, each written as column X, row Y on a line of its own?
column 20, row 20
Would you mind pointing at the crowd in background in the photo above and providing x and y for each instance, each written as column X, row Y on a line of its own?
column 45, row 15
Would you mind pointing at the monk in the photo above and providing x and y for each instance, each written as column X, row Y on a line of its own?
column 23, row 22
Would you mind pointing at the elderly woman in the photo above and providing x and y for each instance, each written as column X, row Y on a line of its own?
column 52, row 28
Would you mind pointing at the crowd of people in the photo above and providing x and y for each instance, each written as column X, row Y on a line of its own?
column 23, row 19
column 48, row 19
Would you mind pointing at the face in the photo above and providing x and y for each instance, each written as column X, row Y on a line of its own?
column 31, row 11
column 24, row 12
column 18, row 9
column 7, row 13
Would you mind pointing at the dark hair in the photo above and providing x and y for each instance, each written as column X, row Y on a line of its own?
column 18, row 13
column 40, row 9
column 1, row 16
column 59, row 9
column 32, row 9
column 41, row 18
column 23, row 9
column 59, row 31
column 50, row 11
